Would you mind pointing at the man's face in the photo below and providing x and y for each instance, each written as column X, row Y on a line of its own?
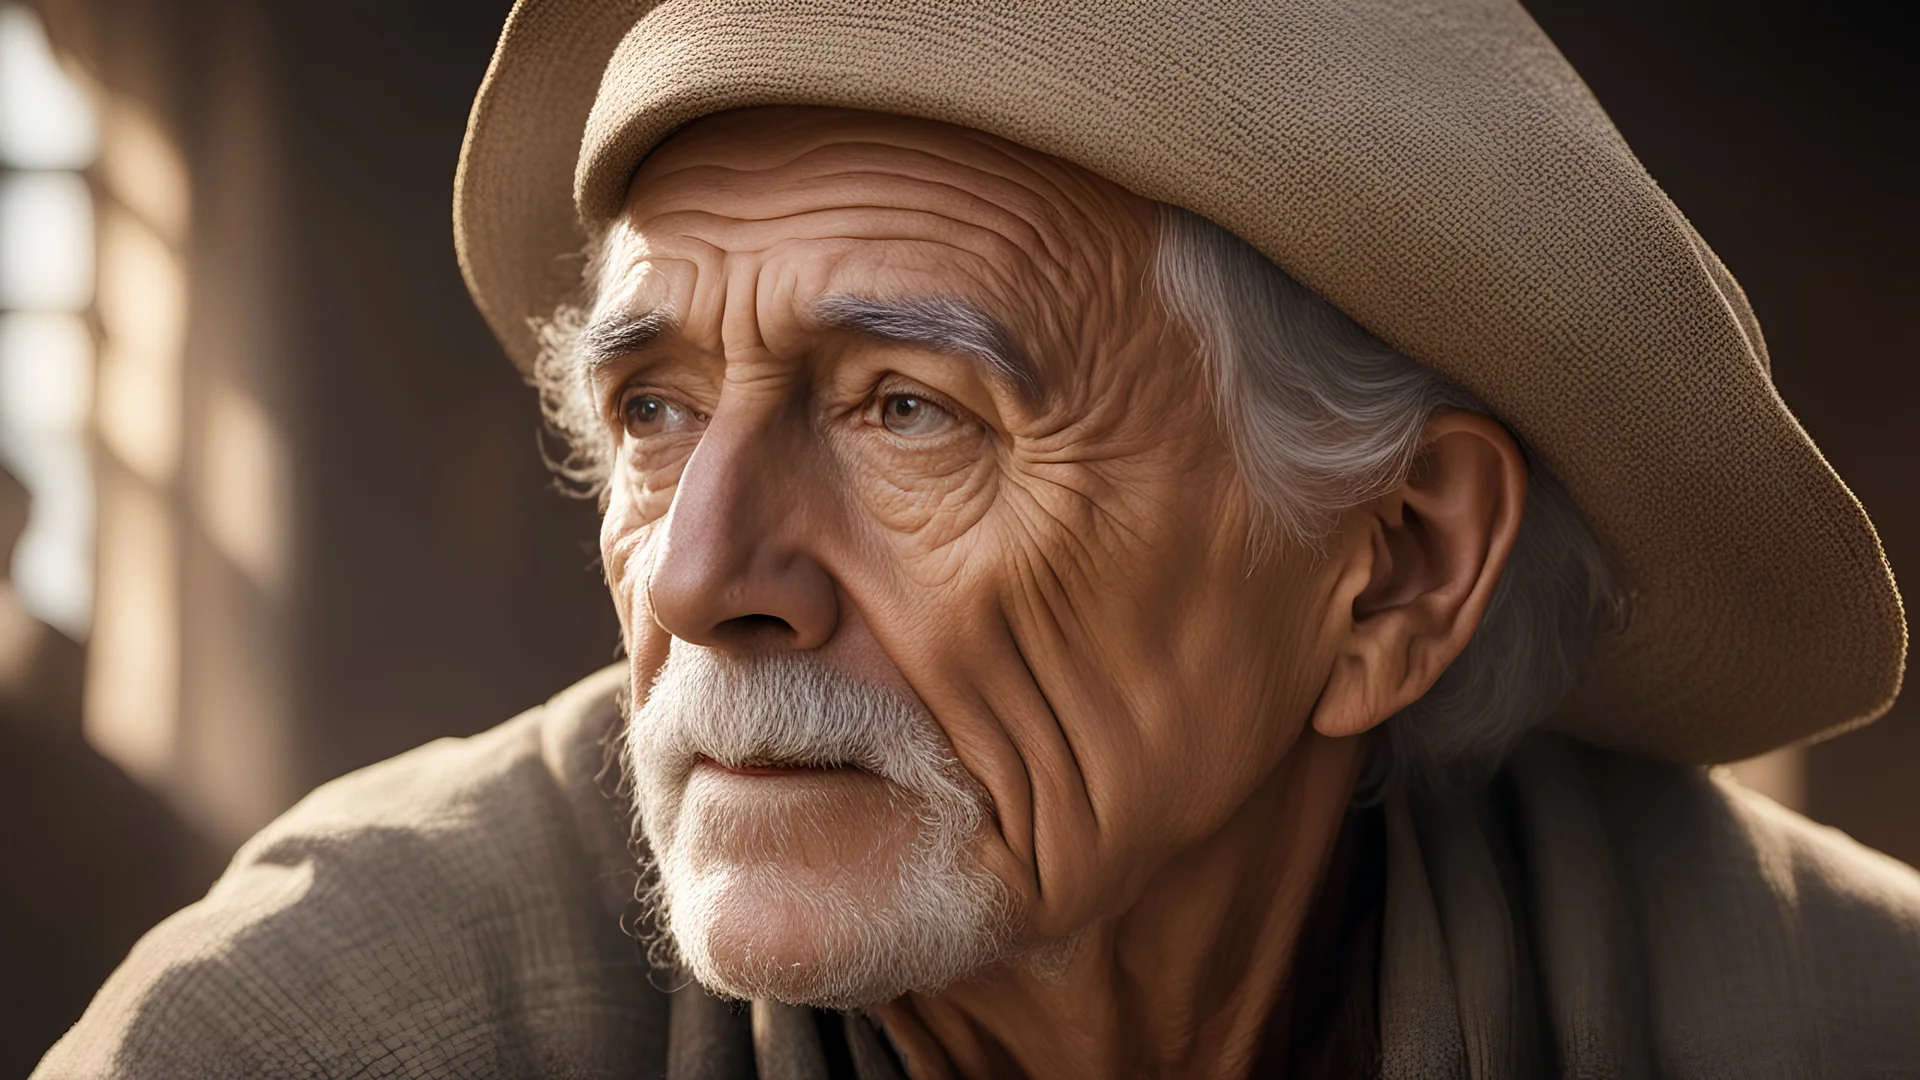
column 947, row 622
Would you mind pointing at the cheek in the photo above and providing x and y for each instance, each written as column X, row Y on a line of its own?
column 1247, row 657
column 1249, row 666
column 647, row 472
column 925, row 502
column 1175, row 677
column 627, row 533
column 1083, row 649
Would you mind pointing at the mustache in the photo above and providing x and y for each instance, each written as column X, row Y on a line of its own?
column 787, row 709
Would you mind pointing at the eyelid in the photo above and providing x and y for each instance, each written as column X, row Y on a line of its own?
column 893, row 384
column 635, row 387
column 608, row 383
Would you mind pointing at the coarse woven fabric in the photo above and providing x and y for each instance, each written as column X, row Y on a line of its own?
column 1433, row 167
column 456, row 912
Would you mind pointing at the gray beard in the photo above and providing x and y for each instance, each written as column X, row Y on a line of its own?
column 908, row 924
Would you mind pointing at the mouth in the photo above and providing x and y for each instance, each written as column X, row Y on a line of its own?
column 773, row 768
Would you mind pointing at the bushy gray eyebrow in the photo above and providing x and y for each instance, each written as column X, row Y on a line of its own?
column 611, row 336
column 944, row 324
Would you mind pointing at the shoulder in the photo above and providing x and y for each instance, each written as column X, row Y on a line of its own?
column 453, row 909
column 1767, row 937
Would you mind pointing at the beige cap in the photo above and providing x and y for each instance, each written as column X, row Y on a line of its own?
column 1433, row 167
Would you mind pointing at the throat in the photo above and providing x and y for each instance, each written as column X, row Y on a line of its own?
column 1327, row 1021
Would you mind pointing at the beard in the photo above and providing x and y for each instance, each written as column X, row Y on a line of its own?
column 842, row 894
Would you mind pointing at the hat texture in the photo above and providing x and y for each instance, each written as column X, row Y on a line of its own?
column 1434, row 168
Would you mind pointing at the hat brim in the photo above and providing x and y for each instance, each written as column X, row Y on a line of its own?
column 1438, row 172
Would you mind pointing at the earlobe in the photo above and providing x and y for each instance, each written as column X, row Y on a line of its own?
column 1421, row 563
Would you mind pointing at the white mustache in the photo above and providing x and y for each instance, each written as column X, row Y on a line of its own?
column 790, row 709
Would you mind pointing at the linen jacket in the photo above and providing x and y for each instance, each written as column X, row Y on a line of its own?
column 462, row 911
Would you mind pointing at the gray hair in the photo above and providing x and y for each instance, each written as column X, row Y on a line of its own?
column 1321, row 416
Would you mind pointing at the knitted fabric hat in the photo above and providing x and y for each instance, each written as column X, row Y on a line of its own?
column 1434, row 168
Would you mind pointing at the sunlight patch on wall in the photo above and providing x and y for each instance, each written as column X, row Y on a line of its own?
column 243, row 486
column 142, row 169
column 133, row 679
column 143, row 311
column 1780, row 776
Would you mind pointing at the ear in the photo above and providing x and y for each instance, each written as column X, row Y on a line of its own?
column 1420, row 565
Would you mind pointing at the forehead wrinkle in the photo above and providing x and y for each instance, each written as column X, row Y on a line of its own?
column 791, row 204
column 1057, row 203
column 1062, row 188
column 742, row 276
column 1013, row 176
column 907, row 143
column 1044, row 212
column 874, row 225
column 1039, row 235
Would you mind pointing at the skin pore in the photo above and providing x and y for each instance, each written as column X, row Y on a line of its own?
column 1166, row 728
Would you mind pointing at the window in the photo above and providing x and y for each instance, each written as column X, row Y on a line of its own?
column 48, row 136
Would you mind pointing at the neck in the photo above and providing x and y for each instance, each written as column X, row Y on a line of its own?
column 1182, row 983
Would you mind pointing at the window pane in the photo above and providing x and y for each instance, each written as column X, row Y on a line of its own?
column 46, row 374
column 46, row 242
column 46, row 121
column 46, row 370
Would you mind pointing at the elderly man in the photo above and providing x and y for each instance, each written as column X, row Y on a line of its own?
column 1099, row 498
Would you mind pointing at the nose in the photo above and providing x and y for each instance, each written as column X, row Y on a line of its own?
column 734, row 568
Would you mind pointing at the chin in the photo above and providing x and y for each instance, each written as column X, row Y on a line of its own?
column 756, row 934
column 842, row 904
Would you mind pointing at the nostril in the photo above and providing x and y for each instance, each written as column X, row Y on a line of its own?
column 756, row 629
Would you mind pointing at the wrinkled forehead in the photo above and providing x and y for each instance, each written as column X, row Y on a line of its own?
column 802, row 153
column 751, row 180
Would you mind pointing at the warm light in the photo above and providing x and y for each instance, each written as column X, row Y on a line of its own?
column 143, row 308
column 45, row 120
column 243, row 486
column 141, row 168
column 133, row 674
column 46, row 241
column 1780, row 776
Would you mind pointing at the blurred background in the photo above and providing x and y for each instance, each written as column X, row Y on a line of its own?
column 279, row 509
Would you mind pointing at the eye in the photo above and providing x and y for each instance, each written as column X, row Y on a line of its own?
column 913, row 416
column 650, row 414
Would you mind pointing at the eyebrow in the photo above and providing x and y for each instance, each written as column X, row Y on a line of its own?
column 942, row 323
column 609, row 337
